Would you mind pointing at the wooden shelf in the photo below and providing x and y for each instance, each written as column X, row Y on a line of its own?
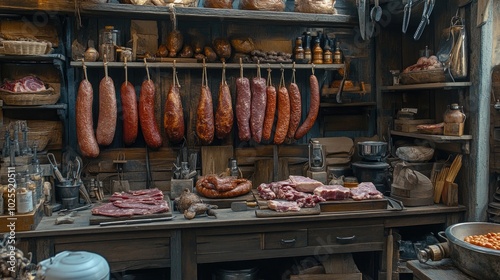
column 426, row 86
column 353, row 104
column 209, row 65
column 32, row 58
column 62, row 106
column 464, row 140
column 150, row 11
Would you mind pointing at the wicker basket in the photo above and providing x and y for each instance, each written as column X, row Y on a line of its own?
column 41, row 138
column 10, row 47
column 422, row 77
column 45, row 97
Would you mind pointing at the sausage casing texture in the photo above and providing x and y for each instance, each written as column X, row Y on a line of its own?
column 224, row 117
column 258, row 107
column 149, row 126
column 270, row 112
column 84, row 122
column 205, row 117
column 243, row 103
column 242, row 188
column 295, row 109
column 313, row 109
column 283, row 116
column 106, row 122
column 129, row 113
column 173, row 118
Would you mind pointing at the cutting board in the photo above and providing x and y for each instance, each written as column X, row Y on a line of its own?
column 226, row 202
column 97, row 219
column 266, row 213
column 353, row 205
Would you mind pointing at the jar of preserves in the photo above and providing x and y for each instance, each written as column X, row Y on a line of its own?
column 454, row 114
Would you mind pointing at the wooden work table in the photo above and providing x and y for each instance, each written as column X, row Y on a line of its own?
column 182, row 244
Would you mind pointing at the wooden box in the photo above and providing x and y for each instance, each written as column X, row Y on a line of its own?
column 453, row 129
column 410, row 125
column 23, row 222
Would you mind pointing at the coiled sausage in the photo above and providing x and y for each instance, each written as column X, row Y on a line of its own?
column 106, row 122
column 224, row 118
column 270, row 112
column 129, row 113
column 173, row 118
column 243, row 102
column 205, row 117
column 283, row 116
column 313, row 109
column 84, row 122
column 149, row 126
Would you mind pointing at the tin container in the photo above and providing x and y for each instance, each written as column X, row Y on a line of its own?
column 24, row 200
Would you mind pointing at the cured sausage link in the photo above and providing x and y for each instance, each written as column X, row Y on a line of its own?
column 270, row 112
column 313, row 109
column 295, row 109
column 283, row 116
column 106, row 122
column 173, row 118
column 243, row 113
column 84, row 122
column 258, row 107
column 129, row 113
column 224, row 118
column 205, row 117
column 149, row 126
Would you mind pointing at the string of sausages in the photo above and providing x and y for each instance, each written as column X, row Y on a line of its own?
column 260, row 108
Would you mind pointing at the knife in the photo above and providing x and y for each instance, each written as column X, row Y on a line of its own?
column 136, row 221
column 362, row 17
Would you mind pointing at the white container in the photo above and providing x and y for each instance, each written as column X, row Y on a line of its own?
column 72, row 265
column 24, row 200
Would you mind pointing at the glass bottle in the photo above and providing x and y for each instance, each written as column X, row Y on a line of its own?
column 327, row 54
column 298, row 52
column 307, row 48
column 317, row 52
column 337, row 55
column 454, row 114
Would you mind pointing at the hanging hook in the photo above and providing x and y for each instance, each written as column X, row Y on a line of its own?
column 312, row 68
column 241, row 67
column 147, row 68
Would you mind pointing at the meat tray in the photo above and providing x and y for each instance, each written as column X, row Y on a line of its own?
column 353, row 205
column 97, row 219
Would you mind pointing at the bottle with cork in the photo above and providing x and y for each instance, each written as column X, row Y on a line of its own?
column 337, row 55
column 298, row 51
column 317, row 52
column 307, row 48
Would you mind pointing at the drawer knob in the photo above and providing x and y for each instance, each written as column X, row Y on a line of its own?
column 288, row 242
column 346, row 240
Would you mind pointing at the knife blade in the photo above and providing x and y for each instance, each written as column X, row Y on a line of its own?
column 362, row 17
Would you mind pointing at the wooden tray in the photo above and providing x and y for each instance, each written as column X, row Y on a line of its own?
column 226, row 202
column 353, row 205
column 97, row 219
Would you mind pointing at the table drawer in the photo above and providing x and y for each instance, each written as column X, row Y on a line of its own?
column 285, row 239
column 228, row 243
column 349, row 235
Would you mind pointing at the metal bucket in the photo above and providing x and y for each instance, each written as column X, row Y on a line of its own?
column 479, row 262
column 68, row 194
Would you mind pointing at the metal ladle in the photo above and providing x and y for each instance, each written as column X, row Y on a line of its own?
column 376, row 12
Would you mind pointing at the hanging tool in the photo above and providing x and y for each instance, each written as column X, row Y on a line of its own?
column 428, row 7
column 406, row 16
column 120, row 185
column 362, row 12
column 53, row 163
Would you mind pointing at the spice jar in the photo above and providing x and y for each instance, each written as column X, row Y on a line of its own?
column 317, row 52
column 454, row 119
column 298, row 52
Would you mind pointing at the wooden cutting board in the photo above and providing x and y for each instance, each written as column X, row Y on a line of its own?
column 353, row 205
column 226, row 202
column 266, row 213
column 97, row 219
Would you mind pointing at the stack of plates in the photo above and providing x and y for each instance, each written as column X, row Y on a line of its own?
column 494, row 208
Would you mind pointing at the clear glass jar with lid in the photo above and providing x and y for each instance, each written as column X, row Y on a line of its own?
column 109, row 39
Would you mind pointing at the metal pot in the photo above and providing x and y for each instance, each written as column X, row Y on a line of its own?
column 69, row 265
column 372, row 150
column 477, row 261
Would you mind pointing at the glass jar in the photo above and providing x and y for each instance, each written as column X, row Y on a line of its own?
column 454, row 114
column 109, row 38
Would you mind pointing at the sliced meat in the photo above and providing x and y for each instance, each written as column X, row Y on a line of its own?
column 333, row 192
column 283, row 206
column 304, row 184
column 365, row 190
column 111, row 210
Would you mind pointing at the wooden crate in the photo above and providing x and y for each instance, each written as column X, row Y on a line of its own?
column 410, row 125
column 23, row 222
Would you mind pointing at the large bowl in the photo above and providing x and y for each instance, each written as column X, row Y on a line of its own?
column 372, row 150
column 479, row 262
